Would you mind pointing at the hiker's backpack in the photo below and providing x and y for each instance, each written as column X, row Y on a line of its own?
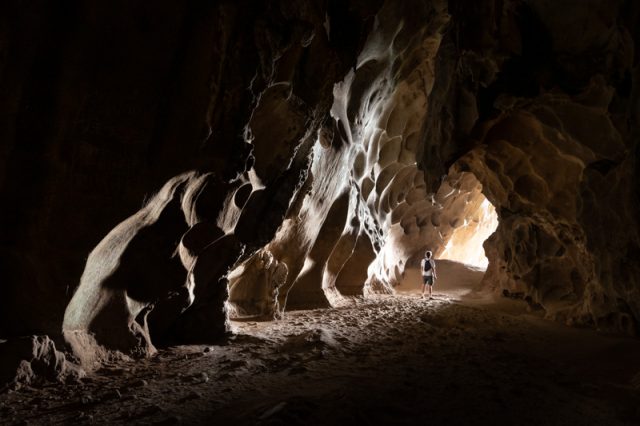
column 427, row 265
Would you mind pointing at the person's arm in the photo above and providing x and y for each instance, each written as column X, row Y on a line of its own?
column 435, row 274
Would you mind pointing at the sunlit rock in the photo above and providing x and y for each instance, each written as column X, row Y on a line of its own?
column 117, row 285
column 254, row 286
column 310, row 159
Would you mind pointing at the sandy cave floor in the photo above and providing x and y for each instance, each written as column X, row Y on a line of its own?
column 388, row 360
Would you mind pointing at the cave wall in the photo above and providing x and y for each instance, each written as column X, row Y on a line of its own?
column 95, row 98
column 309, row 152
column 104, row 103
column 556, row 153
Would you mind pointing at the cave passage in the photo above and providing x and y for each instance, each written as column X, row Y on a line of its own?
column 221, row 207
column 459, row 220
column 465, row 243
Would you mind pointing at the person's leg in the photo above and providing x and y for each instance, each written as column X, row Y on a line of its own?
column 430, row 291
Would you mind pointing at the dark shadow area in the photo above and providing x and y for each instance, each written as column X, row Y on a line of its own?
column 392, row 360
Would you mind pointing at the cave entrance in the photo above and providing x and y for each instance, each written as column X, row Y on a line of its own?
column 460, row 221
column 467, row 219
column 465, row 244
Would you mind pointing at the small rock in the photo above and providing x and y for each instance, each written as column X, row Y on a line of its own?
column 190, row 396
column 273, row 410
column 237, row 364
column 208, row 349
column 297, row 370
column 204, row 377
column 86, row 418
column 173, row 420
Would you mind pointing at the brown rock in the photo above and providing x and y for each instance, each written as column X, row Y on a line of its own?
column 26, row 360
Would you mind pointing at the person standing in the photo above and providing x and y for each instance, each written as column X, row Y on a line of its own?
column 429, row 275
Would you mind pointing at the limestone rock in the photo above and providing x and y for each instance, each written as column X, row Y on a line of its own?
column 340, row 139
column 205, row 320
column 117, row 287
column 26, row 360
column 254, row 286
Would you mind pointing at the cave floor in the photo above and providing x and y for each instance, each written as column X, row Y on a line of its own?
column 387, row 360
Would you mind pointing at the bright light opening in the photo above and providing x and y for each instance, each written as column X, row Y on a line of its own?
column 465, row 244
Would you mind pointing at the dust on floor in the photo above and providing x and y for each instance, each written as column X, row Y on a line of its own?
column 386, row 360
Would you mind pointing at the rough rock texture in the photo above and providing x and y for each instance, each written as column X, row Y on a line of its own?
column 117, row 285
column 464, row 219
column 366, row 363
column 119, row 297
column 124, row 100
column 25, row 360
column 254, row 286
column 307, row 152
column 557, row 156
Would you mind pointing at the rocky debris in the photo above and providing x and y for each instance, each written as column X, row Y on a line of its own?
column 386, row 359
column 27, row 360
column 204, row 377
column 305, row 154
column 315, row 339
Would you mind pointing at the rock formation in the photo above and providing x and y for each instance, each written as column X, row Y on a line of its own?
column 307, row 152
column 26, row 360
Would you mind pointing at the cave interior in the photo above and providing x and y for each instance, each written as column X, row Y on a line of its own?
column 216, row 211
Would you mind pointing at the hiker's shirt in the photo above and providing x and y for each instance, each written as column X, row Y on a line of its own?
column 428, row 273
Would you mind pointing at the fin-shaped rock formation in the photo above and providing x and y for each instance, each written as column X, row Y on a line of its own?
column 300, row 154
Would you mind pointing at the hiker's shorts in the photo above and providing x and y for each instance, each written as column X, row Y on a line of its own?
column 427, row 279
